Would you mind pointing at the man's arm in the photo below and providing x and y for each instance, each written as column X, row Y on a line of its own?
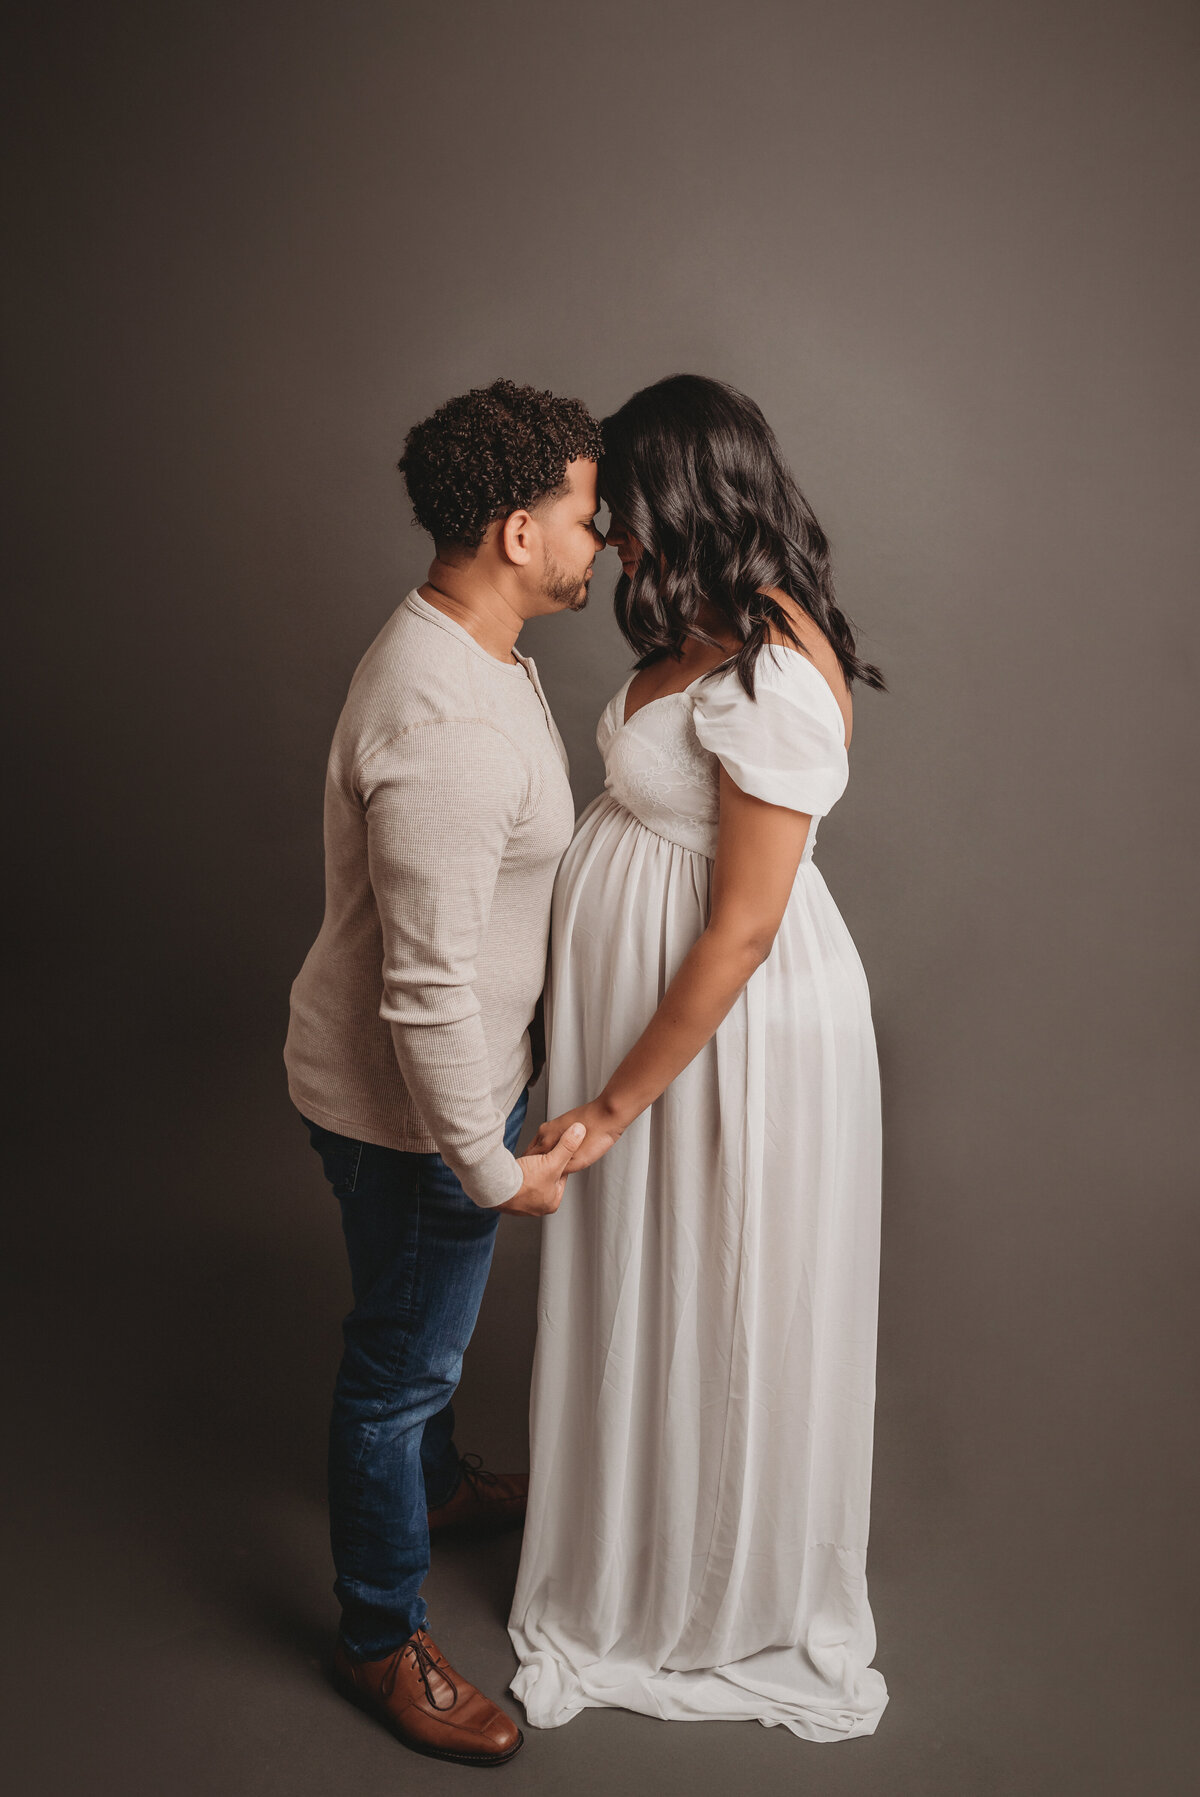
column 441, row 802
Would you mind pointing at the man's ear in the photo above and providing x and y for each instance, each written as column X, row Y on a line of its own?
column 516, row 538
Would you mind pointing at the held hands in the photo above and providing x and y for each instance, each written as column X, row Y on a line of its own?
column 545, row 1176
column 601, row 1125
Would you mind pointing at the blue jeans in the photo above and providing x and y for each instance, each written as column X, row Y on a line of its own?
column 420, row 1252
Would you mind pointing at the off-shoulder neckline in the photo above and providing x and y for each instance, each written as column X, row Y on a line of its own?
column 622, row 720
column 618, row 700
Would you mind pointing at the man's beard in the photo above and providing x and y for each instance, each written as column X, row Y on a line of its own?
column 563, row 588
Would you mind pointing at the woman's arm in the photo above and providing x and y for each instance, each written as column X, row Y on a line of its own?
column 758, row 852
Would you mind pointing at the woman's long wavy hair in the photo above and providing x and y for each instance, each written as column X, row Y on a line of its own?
column 692, row 468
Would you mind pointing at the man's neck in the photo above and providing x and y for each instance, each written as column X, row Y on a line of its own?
column 475, row 602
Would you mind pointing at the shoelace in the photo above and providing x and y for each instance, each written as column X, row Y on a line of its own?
column 425, row 1663
column 474, row 1471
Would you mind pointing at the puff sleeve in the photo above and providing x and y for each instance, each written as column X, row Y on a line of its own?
column 787, row 744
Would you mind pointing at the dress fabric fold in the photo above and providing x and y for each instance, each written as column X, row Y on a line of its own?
column 704, row 1379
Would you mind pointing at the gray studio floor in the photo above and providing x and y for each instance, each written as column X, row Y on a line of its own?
column 171, row 1567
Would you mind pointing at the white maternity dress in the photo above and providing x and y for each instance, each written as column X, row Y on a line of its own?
column 701, row 1414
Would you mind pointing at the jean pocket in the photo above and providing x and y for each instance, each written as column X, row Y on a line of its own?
column 341, row 1158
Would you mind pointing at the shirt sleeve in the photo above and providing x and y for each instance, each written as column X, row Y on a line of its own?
column 787, row 744
column 441, row 802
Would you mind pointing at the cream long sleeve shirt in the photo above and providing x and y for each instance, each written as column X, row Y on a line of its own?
column 447, row 811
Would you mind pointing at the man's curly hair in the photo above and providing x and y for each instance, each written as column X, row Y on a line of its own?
column 495, row 450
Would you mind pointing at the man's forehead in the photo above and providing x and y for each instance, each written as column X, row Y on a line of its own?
column 581, row 477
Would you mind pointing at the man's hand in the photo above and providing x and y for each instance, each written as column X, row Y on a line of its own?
column 598, row 1120
column 545, row 1177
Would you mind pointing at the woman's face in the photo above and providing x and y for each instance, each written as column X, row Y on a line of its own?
column 618, row 536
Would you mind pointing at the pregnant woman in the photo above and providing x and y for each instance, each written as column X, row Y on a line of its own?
column 704, row 1380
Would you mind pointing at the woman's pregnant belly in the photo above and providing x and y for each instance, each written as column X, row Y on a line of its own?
column 628, row 905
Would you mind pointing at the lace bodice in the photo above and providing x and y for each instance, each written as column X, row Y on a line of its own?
column 786, row 746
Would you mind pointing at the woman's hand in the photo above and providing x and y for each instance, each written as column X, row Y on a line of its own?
column 603, row 1129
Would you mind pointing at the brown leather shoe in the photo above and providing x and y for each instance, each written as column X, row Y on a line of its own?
column 418, row 1695
column 483, row 1504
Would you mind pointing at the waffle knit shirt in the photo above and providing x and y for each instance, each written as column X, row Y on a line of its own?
column 447, row 811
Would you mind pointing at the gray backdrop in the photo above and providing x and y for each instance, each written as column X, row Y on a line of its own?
column 951, row 251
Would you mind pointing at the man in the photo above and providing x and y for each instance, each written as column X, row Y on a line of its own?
column 447, row 810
